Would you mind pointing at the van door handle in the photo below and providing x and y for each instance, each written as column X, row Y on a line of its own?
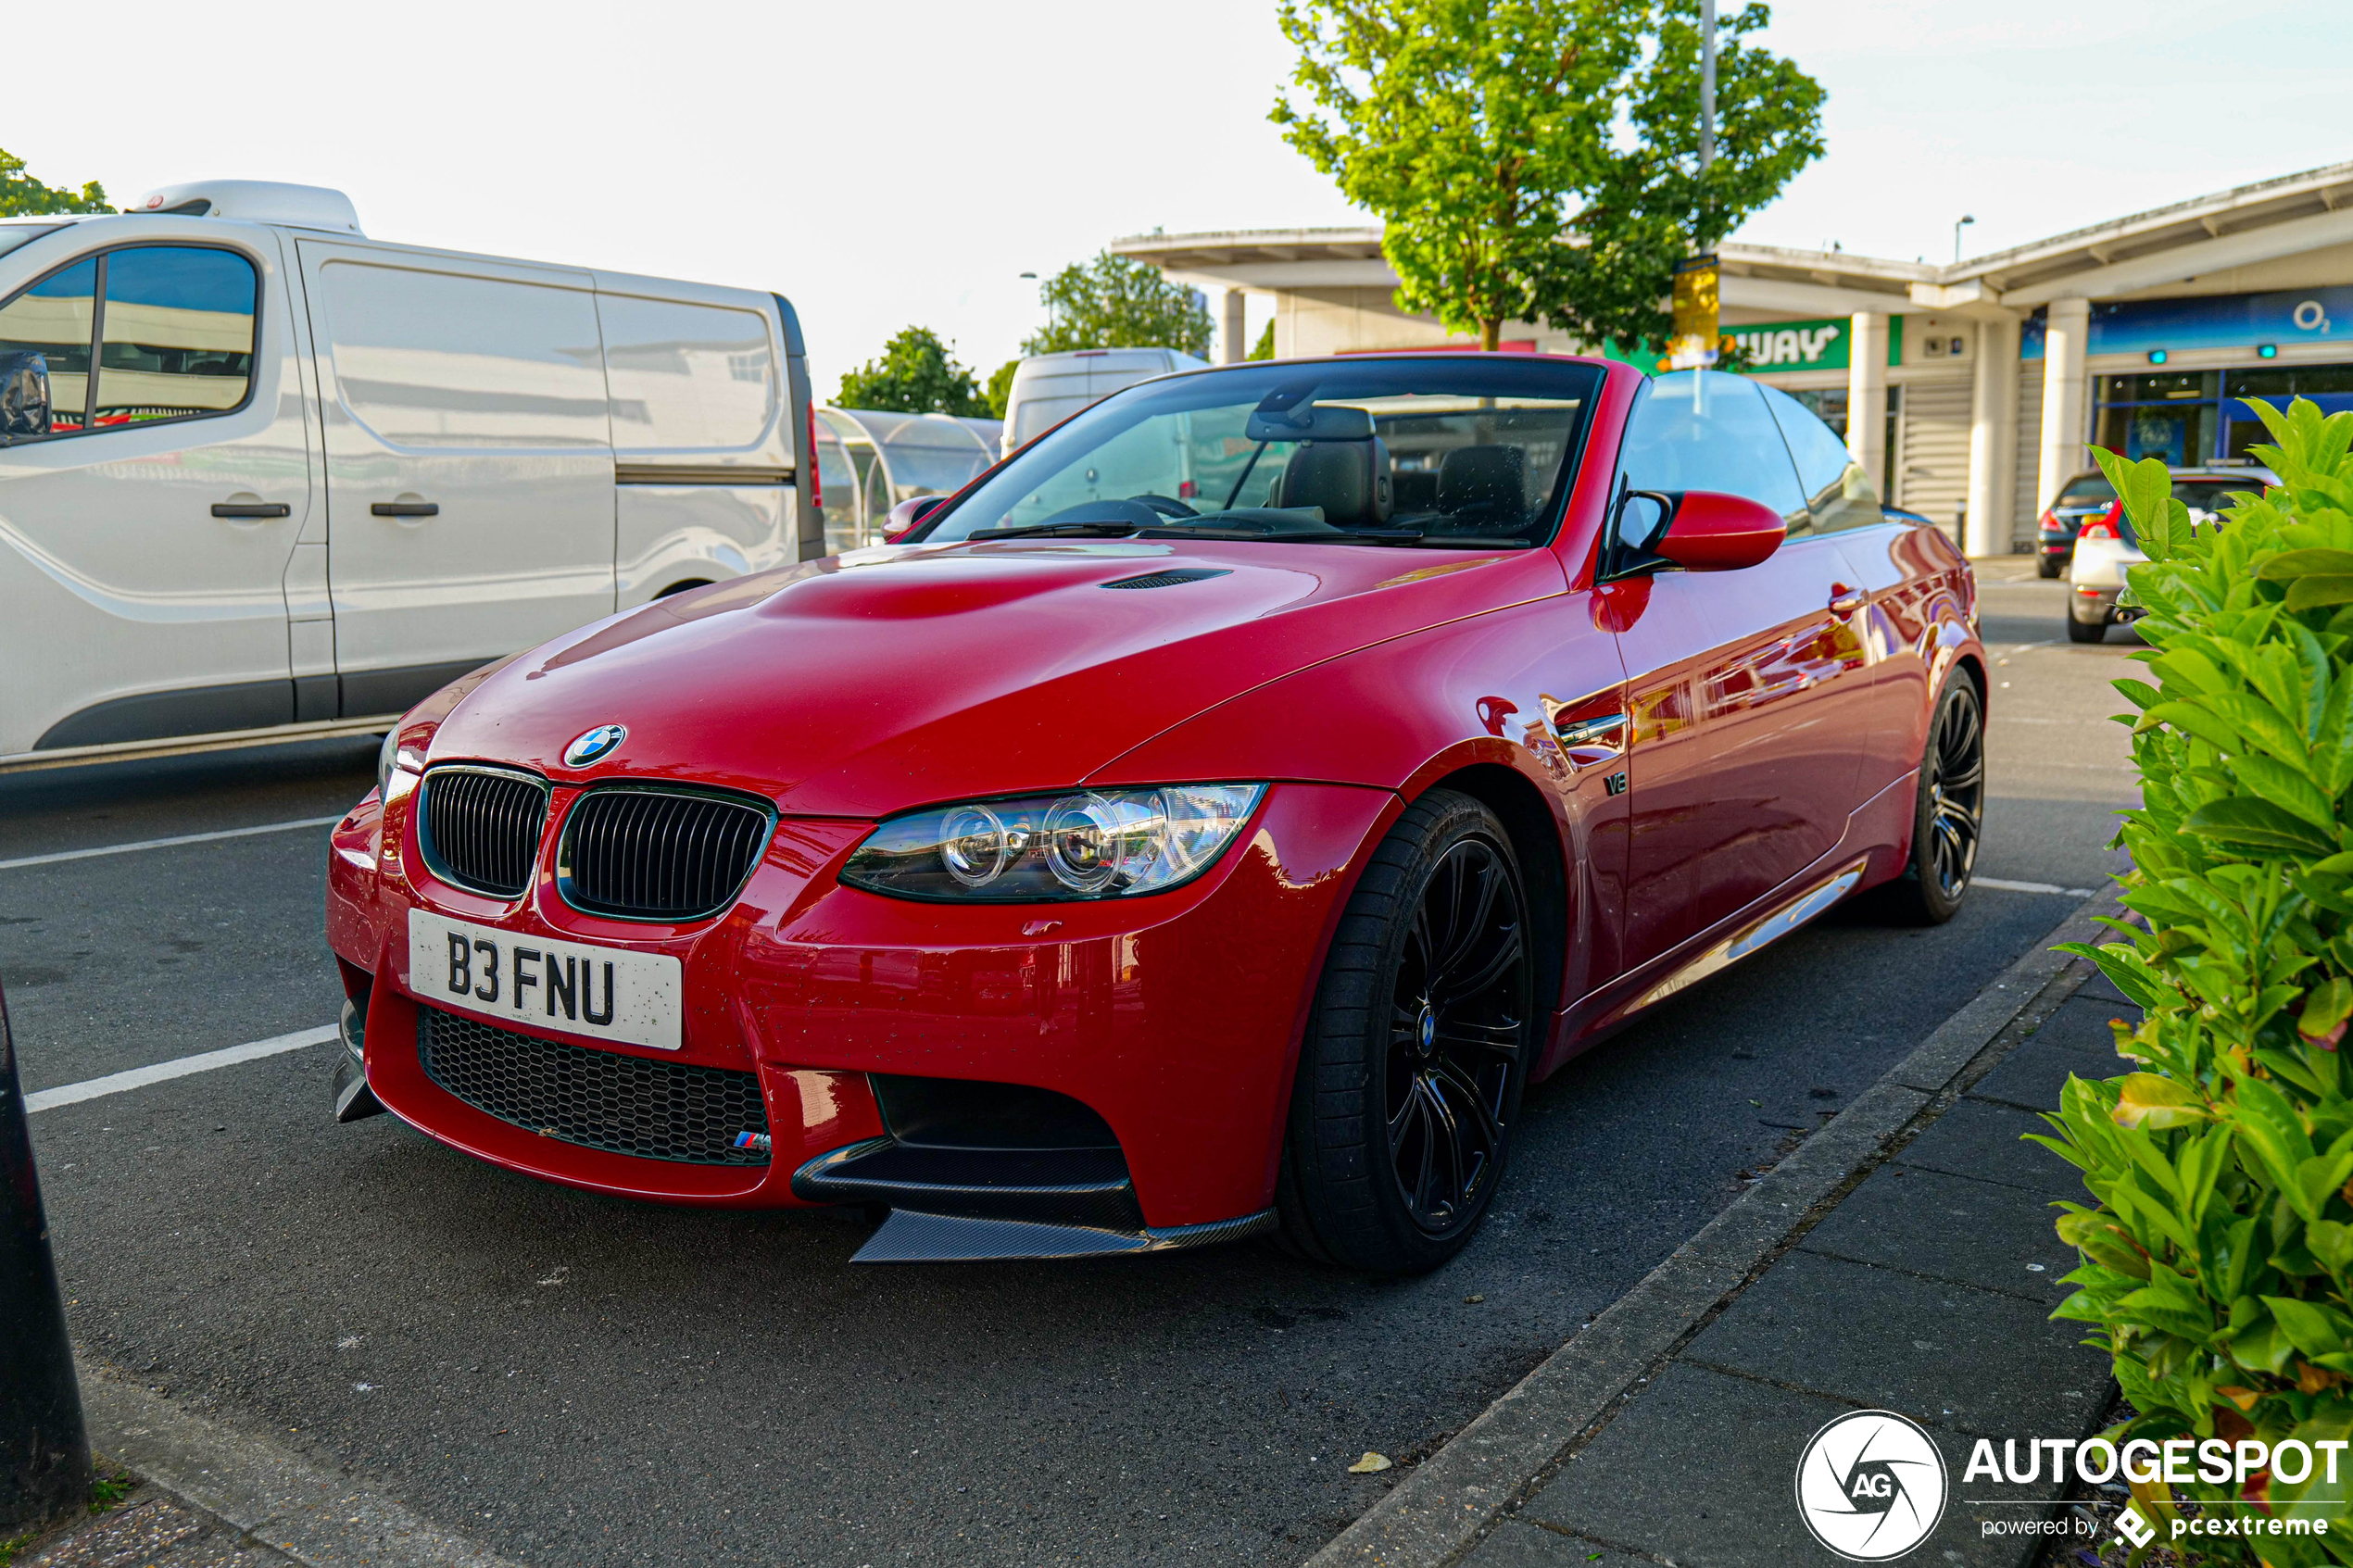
column 406, row 508
column 251, row 509
column 1844, row 599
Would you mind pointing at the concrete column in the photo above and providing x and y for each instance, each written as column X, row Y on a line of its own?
column 1993, row 439
column 1866, row 395
column 2063, row 345
column 1233, row 346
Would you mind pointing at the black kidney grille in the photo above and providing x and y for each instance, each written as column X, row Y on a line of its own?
column 655, row 854
column 596, row 1098
column 482, row 828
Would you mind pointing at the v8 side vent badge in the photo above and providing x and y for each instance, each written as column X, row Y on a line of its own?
column 1173, row 576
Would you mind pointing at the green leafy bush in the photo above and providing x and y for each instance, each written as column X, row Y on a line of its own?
column 2218, row 1266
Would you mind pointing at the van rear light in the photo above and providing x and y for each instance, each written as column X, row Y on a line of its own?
column 816, row 481
column 2105, row 525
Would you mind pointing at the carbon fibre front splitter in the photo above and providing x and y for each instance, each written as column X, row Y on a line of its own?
column 907, row 1236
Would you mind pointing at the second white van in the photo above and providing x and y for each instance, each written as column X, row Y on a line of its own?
column 1048, row 388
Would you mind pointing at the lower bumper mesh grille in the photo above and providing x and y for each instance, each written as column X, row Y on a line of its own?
column 596, row 1098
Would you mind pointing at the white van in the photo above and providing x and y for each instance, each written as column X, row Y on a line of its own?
column 316, row 475
column 1048, row 388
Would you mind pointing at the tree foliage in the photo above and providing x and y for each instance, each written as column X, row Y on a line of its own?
column 1114, row 302
column 22, row 197
column 999, row 394
column 916, row 375
column 1537, row 160
column 1265, row 347
column 1654, row 204
column 2217, row 1264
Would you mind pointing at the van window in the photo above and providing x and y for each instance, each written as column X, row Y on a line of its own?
column 54, row 319
column 445, row 360
column 686, row 378
column 1838, row 492
column 178, row 333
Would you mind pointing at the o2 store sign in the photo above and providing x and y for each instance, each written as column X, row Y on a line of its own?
column 2230, row 320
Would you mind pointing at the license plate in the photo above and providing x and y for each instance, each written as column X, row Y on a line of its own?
column 604, row 993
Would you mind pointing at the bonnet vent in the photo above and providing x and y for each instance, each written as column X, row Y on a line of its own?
column 1170, row 577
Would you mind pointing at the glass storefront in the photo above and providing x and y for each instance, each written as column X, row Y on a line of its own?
column 2189, row 418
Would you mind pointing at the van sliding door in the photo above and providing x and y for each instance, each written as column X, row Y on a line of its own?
column 470, row 465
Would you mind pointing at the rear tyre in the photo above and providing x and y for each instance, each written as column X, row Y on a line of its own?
column 2086, row 630
column 1949, row 813
column 1417, row 1050
column 2047, row 567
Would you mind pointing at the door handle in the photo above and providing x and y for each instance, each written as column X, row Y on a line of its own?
column 251, row 509
column 1844, row 599
column 406, row 508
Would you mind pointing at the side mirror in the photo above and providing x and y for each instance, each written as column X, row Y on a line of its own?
column 1712, row 532
column 904, row 516
column 24, row 396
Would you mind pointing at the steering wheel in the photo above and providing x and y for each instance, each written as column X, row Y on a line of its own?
column 1166, row 506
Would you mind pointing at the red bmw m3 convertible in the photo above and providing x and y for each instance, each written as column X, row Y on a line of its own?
column 1208, row 821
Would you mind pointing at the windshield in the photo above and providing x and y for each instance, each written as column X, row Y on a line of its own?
column 1446, row 452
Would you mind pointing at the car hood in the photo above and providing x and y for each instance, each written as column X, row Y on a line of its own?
column 892, row 677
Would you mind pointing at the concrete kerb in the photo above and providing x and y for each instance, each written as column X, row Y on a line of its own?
column 1457, row 1495
column 269, row 1495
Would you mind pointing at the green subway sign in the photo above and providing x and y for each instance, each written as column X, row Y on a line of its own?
column 1784, row 346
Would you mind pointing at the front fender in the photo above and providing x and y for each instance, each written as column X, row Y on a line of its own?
column 1416, row 712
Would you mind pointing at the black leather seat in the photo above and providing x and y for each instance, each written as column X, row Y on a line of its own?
column 1349, row 479
column 1484, row 489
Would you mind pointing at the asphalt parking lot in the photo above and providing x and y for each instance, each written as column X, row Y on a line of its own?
column 573, row 1380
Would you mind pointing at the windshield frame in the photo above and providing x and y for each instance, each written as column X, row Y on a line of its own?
column 1548, row 376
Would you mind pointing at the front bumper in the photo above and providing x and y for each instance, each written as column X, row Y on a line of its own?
column 1173, row 1018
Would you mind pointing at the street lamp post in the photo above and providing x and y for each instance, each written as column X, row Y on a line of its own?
column 1707, row 83
column 1956, row 237
column 44, row 1452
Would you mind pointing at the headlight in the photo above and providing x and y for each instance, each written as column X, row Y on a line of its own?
column 1043, row 848
column 392, row 757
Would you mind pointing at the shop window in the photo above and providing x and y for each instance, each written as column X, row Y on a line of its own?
column 2331, row 386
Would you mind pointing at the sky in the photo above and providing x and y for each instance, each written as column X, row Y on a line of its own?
column 901, row 161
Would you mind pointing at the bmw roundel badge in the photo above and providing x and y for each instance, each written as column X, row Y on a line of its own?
column 594, row 745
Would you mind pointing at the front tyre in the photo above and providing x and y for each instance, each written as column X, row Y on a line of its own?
column 1949, row 812
column 1417, row 1050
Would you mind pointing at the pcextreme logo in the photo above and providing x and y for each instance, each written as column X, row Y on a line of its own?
column 1870, row 1486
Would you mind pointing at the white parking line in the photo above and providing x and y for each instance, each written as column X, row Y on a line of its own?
column 2007, row 885
column 182, row 1067
column 165, row 843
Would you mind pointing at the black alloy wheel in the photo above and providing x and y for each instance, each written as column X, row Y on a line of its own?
column 1411, row 1075
column 1950, row 816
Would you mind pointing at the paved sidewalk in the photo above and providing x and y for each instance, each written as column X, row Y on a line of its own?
column 1903, row 1258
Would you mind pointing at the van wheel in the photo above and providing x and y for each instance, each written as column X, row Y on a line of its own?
column 2086, row 630
column 1410, row 1076
column 1948, row 816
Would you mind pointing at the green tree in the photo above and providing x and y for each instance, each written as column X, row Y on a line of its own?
column 999, row 393
column 1468, row 125
column 1265, row 347
column 1537, row 160
column 22, row 197
column 916, row 375
column 1113, row 302
column 1653, row 204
